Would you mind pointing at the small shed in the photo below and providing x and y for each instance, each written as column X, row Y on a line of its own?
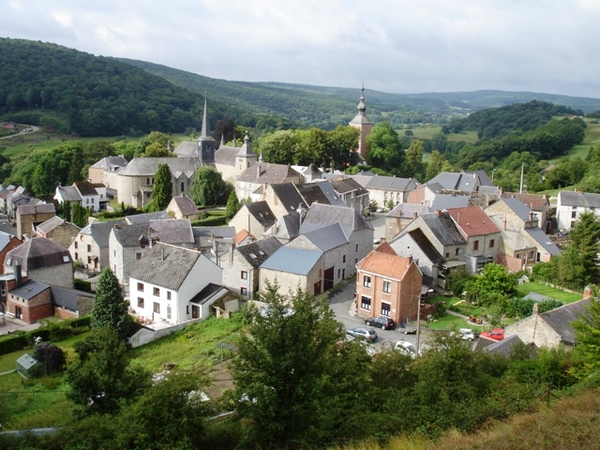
column 26, row 366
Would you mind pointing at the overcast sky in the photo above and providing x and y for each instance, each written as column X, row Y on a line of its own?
column 400, row 46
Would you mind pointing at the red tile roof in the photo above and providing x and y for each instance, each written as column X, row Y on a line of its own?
column 384, row 247
column 473, row 221
column 385, row 265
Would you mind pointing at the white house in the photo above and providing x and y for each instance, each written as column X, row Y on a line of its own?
column 571, row 204
column 168, row 283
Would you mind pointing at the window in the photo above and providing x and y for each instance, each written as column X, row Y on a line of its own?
column 385, row 309
column 76, row 255
column 156, row 292
column 182, row 187
column 89, row 248
column 492, row 243
column 339, row 273
column 140, row 302
column 387, row 287
column 140, row 287
column 114, row 253
column 447, row 255
column 168, row 295
column 138, row 255
column 156, row 307
column 244, row 275
column 365, row 303
column 456, row 251
column 187, row 309
column 344, row 258
column 574, row 214
column 243, row 291
column 169, row 312
column 367, row 281
column 75, row 245
column 356, row 248
column 475, row 246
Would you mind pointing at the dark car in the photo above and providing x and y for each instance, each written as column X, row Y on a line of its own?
column 383, row 322
column 363, row 333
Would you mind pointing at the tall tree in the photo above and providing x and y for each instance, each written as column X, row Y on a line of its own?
column 415, row 167
column 585, row 236
column 162, row 191
column 209, row 188
column 279, row 147
column 110, row 308
column 437, row 164
column 233, row 205
column 79, row 214
column 385, row 149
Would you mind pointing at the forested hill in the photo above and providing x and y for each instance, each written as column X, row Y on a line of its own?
column 95, row 96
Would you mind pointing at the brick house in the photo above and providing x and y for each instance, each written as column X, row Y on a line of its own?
column 7, row 243
column 388, row 285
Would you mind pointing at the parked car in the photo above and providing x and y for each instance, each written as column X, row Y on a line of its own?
column 363, row 333
column 497, row 334
column 406, row 348
column 383, row 322
column 466, row 334
column 407, row 329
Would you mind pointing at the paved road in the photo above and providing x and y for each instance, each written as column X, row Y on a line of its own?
column 33, row 130
column 342, row 305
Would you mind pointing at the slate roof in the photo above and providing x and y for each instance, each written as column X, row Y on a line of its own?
column 287, row 227
column 40, row 208
column 505, row 346
column 560, row 319
column 449, row 201
column 289, row 196
column 69, row 193
column 520, row 209
column 7, row 228
column 535, row 202
column 315, row 193
column 149, row 166
column 473, row 221
column 408, row 210
column 327, row 237
column 85, row 188
column 69, row 298
column 185, row 205
column 100, row 231
column 111, row 162
column 320, row 215
column 292, row 260
column 385, row 265
column 187, row 149
column 575, row 199
column 226, row 154
column 542, row 238
column 217, row 232
column 265, row 173
column 50, row 224
column 5, row 240
column 169, row 231
column 166, row 266
column 258, row 252
column 146, row 217
column 36, row 253
column 261, row 212
column 391, row 183
column 461, row 181
column 426, row 246
column 444, row 228
column 29, row 289
column 209, row 291
column 346, row 185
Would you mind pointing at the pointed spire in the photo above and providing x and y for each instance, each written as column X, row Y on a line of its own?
column 362, row 107
column 246, row 149
column 234, row 140
column 260, row 157
column 204, row 120
column 222, row 140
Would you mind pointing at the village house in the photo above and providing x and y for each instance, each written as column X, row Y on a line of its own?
column 82, row 192
column 57, row 230
column 255, row 217
column 90, row 246
column 105, row 170
column 388, row 285
column 414, row 244
column 399, row 217
column 182, row 207
column 293, row 268
column 7, row 243
column 28, row 216
column 166, row 285
column 352, row 193
column 539, row 204
column 231, row 161
column 571, row 204
column 252, row 181
column 384, row 190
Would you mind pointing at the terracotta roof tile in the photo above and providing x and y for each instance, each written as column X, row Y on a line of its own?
column 473, row 221
column 385, row 265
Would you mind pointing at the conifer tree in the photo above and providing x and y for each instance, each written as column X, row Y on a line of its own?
column 110, row 308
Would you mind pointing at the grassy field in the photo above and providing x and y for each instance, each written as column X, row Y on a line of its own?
column 548, row 291
column 469, row 137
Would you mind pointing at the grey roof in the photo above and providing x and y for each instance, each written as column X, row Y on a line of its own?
column 288, row 227
column 426, row 246
column 444, row 228
column 409, row 210
column 265, row 173
column 187, row 149
column 246, row 149
column 574, row 198
column 208, row 292
column 518, row 207
column 560, row 319
column 262, row 213
column 29, row 289
column 69, row 193
column 147, row 217
column 7, row 228
column 292, row 260
column 289, row 196
column 39, row 208
column 391, row 183
column 320, row 215
column 226, row 154
column 100, row 231
column 185, row 205
column 258, row 252
column 5, row 239
column 68, row 298
column 484, row 180
column 217, row 232
column 169, row 231
column 327, row 237
column 85, row 188
column 537, row 297
column 149, row 166
column 50, row 224
column 461, row 181
column 449, row 201
column 166, row 265
column 542, row 238
column 36, row 253
column 110, row 163
column 348, row 185
column 505, row 346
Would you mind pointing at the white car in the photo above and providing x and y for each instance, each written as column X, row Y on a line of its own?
column 466, row 334
column 406, row 348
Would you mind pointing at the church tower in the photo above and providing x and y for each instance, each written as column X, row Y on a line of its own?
column 363, row 124
column 206, row 143
column 245, row 157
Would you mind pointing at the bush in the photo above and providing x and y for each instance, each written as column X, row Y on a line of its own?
column 82, row 285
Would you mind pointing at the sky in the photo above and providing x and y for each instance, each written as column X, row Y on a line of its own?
column 395, row 46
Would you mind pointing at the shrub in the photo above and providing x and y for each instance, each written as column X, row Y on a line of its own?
column 82, row 285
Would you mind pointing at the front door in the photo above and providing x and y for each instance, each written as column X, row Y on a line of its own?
column 195, row 312
column 18, row 312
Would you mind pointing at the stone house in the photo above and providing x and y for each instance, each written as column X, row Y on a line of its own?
column 252, row 181
column 552, row 328
column 461, row 182
column 241, row 265
column 571, row 204
column 82, row 192
column 71, row 303
column 129, row 243
column 90, row 246
column 383, row 189
column 105, row 170
column 183, row 207
column 28, row 216
column 135, row 182
column 166, row 285
column 7, row 243
column 256, row 218
column 352, row 193
column 388, row 285
column 41, row 260
column 293, row 268
column 57, row 230
column 402, row 214
column 480, row 232
column 539, row 204
column 231, row 161
column 414, row 244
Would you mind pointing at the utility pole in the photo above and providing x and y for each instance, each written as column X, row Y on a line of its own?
column 521, row 185
column 418, row 323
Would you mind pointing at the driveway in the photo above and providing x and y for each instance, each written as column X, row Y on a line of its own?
column 342, row 304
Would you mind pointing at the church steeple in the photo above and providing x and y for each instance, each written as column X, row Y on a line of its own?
column 204, row 121
column 206, row 143
column 362, row 122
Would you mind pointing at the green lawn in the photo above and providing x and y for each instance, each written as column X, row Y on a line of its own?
column 557, row 294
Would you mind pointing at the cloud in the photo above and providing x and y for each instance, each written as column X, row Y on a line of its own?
column 394, row 45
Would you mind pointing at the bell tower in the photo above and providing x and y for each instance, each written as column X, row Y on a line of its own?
column 362, row 123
